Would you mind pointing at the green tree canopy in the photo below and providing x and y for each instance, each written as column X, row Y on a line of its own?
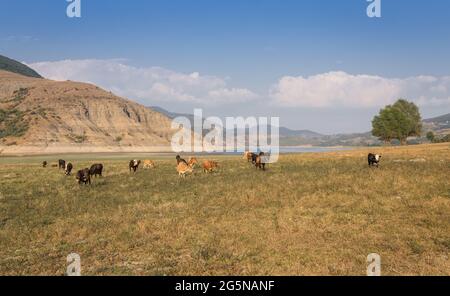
column 398, row 121
column 430, row 136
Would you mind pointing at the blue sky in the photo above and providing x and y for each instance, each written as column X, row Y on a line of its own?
column 247, row 57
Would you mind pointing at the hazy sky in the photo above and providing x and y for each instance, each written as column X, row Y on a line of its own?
column 317, row 64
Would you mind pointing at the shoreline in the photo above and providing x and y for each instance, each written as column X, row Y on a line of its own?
column 117, row 152
column 33, row 151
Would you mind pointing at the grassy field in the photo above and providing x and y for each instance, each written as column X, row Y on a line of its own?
column 309, row 214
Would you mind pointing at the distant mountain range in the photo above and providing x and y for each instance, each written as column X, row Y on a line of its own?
column 290, row 137
column 440, row 124
column 284, row 132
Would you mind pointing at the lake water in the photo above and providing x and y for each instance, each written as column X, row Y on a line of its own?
column 311, row 149
column 127, row 156
column 288, row 150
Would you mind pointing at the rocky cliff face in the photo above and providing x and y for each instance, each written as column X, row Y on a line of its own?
column 43, row 113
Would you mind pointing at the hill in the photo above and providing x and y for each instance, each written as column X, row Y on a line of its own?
column 445, row 119
column 13, row 66
column 439, row 125
column 290, row 137
column 307, row 134
column 284, row 132
column 39, row 115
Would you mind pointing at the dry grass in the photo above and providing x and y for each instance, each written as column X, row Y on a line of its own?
column 309, row 214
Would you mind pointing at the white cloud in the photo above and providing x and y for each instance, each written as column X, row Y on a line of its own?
column 153, row 85
column 232, row 94
column 148, row 85
column 339, row 89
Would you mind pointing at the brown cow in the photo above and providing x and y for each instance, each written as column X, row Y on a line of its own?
column 96, row 170
column 148, row 164
column 183, row 169
column 192, row 162
column 260, row 162
column 249, row 156
column 209, row 166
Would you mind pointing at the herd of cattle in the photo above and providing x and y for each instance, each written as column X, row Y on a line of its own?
column 183, row 167
column 84, row 176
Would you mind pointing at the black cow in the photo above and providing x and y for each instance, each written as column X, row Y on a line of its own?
column 179, row 159
column 44, row 164
column 254, row 157
column 84, row 176
column 62, row 164
column 96, row 170
column 134, row 165
column 69, row 168
column 373, row 159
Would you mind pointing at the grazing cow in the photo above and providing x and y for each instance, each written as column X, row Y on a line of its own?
column 192, row 162
column 134, row 165
column 249, row 156
column 44, row 164
column 260, row 161
column 148, row 164
column 69, row 168
column 62, row 164
column 183, row 169
column 179, row 159
column 84, row 176
column 96, row 170
column 374, row 159
column 209, row 166
column 254, row 158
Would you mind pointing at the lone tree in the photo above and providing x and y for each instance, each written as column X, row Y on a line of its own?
column 431, row 137
column 398, row 121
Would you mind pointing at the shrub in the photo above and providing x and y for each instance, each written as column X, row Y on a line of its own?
column 12, row 123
